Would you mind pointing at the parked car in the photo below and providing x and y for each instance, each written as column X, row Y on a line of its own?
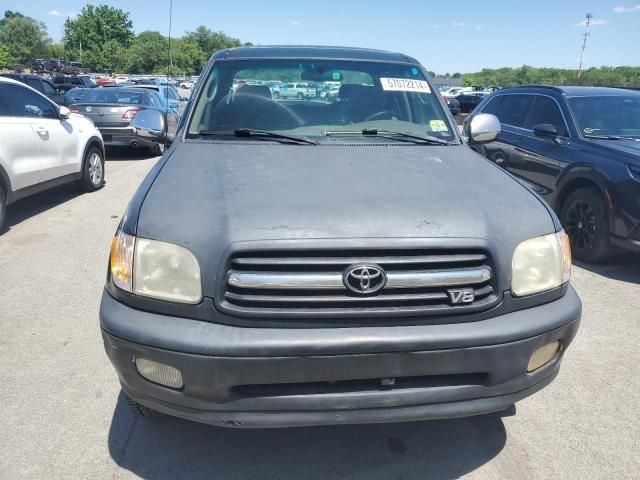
column 75, row 95
column 78, row 69
column 112, row 110
column 579, row 149
column 66, row 82
column 54, row 65
column 105, row 81
column 253, row 283
column 42, row 85
column 294, row 90
column 37, row 65
column 454, row 105
column 176, row 101
column 469, row 101
column 43, row 145
column 187, row 84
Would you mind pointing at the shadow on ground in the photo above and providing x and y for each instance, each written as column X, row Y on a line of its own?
column 117, row 154
column 172, row 448
column 624, row 267
column 39, row 203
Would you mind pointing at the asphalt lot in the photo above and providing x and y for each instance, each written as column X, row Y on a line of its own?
column 63, row 415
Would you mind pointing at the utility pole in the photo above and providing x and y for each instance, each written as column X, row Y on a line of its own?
column 585, row 35
column 80, row 50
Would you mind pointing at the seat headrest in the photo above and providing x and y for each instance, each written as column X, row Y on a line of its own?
column 257, row 90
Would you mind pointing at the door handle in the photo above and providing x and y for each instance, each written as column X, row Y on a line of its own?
column 42, row 130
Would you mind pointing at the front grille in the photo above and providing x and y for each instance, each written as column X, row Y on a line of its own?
column 360, row 385
column 311, row 283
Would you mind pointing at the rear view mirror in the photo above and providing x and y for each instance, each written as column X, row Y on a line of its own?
column 483, row 128
column 64, row 113
column 150, row 125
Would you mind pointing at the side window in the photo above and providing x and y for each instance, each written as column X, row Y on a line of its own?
column 5, row 111
column 47, row 89
column 545, row 110
column 34, row 83
column 514, row 109
column 76, row 81
column 493, row 105
column 28, row 104
column 153, row 100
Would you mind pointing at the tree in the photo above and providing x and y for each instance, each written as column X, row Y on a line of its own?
column 210, row 41
column 148, row 50
column 56, row 50
column 5, row 57
column 104, row 33
column 23, row 37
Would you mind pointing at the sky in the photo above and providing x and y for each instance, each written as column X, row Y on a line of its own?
column 460, row 36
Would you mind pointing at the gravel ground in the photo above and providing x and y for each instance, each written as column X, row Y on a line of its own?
column 64, row 417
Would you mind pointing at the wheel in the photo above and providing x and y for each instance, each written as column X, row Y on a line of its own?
column 584, row 217
column 300, row 96
column 276, row 94
column 3, row 208
column 93, row 171
column 143, row 411
column 157, row 149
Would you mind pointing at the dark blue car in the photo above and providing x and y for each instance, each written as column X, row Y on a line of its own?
column 579, row 148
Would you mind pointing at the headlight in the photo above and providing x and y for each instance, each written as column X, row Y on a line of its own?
column 540, row 264
column 155, row 269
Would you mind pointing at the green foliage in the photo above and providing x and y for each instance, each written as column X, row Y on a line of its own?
column 148, row 50
column 526, row 75
column 5, row 57
column 56, row 50
column 23, row 37
column 210, row 41
column 104, row 32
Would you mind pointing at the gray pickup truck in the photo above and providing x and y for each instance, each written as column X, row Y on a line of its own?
column 307, row 263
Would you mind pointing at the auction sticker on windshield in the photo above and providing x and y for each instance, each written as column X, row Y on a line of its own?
column 404, row 85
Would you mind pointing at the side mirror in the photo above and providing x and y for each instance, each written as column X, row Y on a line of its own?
column 64, row 113
column 545, row 130
column 184, row 99
column 150, row 125
column 483, row 128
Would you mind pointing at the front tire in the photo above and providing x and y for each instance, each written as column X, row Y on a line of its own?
column 92, row 171
column 158, row 149
column 585, row 219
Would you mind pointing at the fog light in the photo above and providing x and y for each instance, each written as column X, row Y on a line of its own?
column 543, row 355
column 159, row 373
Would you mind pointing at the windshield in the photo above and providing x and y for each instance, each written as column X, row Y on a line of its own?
column 114, row 96
column 608, row 116
column 315, row 97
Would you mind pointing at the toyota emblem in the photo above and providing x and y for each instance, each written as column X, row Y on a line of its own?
column 364, row 278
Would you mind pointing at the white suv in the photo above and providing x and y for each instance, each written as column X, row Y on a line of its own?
column 43, row 145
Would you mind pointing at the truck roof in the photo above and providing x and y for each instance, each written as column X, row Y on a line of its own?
column 313, row 52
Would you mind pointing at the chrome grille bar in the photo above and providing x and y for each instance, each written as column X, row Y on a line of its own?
column 333, row 281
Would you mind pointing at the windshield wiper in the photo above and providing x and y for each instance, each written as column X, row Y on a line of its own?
column 250, row 132
column 606, row 137
column 389, row 133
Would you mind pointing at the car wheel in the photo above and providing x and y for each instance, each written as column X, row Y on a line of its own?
column 584, row 218
column 276, row 94
column 300, row 96
column 3, row 208
column 157, row 149
column 143, row 411
column 93, row 171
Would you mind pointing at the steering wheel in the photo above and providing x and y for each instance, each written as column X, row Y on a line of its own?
column 379, row 115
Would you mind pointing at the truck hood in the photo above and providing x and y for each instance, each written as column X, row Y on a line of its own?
column 209, row 195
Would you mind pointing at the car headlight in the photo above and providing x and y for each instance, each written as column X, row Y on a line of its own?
column 540, row 264
column 155, row 269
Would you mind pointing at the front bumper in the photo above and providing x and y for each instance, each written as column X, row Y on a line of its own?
column 270, row 377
